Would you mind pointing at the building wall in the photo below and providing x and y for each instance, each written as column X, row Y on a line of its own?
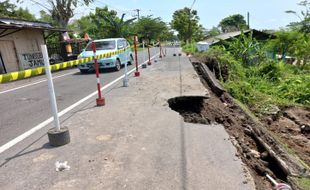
column 27, row 44
column 8, row 57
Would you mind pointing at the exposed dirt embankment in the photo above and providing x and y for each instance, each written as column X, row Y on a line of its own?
column 256, row 146
column 292, row 126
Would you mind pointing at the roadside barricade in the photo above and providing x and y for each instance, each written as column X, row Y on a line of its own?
column 59, row 66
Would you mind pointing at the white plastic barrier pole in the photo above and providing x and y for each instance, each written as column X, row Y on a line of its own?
column 50, row 87
column 143, row 45
column 125, row 80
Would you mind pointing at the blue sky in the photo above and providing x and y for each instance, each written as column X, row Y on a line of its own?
column 263, row 14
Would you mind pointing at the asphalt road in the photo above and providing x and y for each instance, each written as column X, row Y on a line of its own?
column 24, row 108
column 135, row 142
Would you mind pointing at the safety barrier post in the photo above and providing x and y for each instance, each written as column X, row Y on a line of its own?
column 100, row 101
column 163, row 52
column 174, row 51
column 160, row 51
column 137, row 73
column 148, row 50
column 125, row 80
column 57, row 136
column 144, row 65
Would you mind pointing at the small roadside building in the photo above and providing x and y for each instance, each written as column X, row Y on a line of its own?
column 258, row 35
column 217, row 40
column 20, row 42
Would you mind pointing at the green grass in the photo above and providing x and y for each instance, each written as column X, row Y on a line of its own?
column 190, row 48
column 303, row 182
column 138, row 49
column 266, row 84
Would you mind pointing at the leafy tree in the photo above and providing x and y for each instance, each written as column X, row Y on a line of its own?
column 151, row 28
column 301, row 47
column 103, row 23
column 284, row 42
column 10, row 10
column 23, row 14
column 96, row 25
column 292, row 43
column 200, row 33
column 168, row 35
column 7, row 9
column 304, row 17
column 86, row 25
column 118, row 27
column 185, row 22
column 233, row 23
column 213, row 32
column 62, row 10
column 247, row 49
column 45, row 17
column 93, row 24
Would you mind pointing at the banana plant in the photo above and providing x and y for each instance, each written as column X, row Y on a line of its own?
column 118, row 25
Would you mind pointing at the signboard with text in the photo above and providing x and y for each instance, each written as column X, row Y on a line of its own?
column 31, row 60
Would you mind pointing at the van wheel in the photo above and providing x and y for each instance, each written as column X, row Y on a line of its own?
column 83, row 71
column 131, row 60
column 117, row 65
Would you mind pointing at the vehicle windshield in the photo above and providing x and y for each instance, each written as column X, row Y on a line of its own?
column 103, row 45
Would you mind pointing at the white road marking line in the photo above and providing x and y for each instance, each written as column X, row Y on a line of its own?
column 31, row 84
column 63, row 112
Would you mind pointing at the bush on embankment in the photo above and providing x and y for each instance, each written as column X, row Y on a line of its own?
column 260, row 83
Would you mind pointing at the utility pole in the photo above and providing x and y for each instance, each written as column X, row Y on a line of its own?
column 189, row 27
column 248, row 17
column 190, row 22
column 138, row 13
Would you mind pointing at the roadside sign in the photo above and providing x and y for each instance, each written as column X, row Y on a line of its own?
column 31, row 59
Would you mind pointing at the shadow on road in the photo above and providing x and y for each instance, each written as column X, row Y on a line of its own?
column 93, row 72
column 22, row 153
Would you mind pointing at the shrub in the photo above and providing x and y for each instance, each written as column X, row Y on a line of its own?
column 190, row 48
column 247, row 49
column 263, row 85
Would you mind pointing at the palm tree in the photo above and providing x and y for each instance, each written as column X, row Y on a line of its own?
column 118, row 26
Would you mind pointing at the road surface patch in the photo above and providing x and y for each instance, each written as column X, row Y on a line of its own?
column 104, row 137
column 43, row 157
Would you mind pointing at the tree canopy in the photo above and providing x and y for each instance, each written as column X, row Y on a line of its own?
column 304, row 18
column 62, row 10
column 232, row 23
column 186, row 22
column 214, row 31
column 118, row 26
column 151, row 28
column 10, row 10
column 104, row 23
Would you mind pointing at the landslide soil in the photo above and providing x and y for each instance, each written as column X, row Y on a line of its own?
column 220, row 110
column 287, row 126
column 223, row 110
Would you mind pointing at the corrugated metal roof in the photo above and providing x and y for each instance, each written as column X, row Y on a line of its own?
column 224, row 36
column 25, row 23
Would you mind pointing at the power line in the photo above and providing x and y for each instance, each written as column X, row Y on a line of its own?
column 193, row 4
column 190, row 22
column 121, row 10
